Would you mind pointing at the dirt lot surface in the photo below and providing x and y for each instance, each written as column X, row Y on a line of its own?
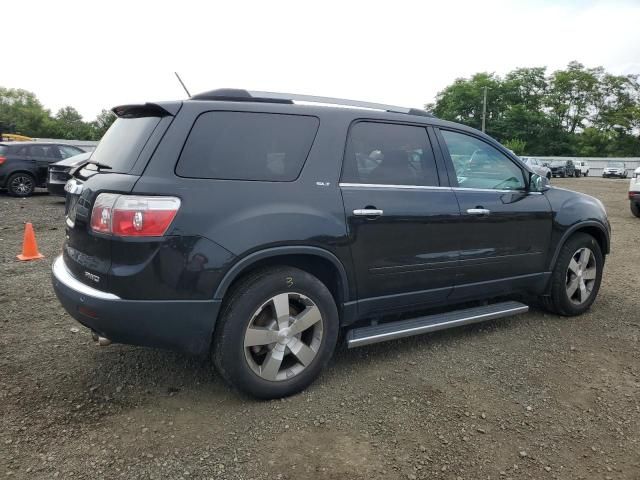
column 533, row 396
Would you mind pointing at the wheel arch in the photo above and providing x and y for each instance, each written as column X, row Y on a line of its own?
column 317, row 261
column 20, row 170
column 595, row 229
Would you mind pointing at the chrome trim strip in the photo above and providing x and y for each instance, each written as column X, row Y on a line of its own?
column 62, row 275
column 465, row 189
column 432, row 327
column 402, row 187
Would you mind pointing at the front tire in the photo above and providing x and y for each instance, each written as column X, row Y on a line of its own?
column 635, row 209
column 21, row 184
column 276, row 333
column 576, row 277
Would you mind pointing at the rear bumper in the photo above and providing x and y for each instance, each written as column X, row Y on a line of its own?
column 183, row 325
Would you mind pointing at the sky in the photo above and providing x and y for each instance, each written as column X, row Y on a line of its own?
column 95, row 54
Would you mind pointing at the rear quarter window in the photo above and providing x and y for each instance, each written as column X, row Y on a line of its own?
column 247, row 146
column 3, row 149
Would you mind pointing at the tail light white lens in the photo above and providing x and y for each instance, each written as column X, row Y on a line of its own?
column 102, row 211
column 133, row 215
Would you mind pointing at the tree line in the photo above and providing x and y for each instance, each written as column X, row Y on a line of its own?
column 577, row 111
column 21, row 112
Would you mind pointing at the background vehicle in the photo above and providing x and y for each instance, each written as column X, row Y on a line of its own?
column 249, row 226
column 537, row 166
column 59, row 172
column 582, row 168
column 615, row 169
column 23, row 165
column 562, row 168
column 634, row 193
column 14, row 137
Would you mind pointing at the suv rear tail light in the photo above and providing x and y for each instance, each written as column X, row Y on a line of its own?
column 133, row 215
column 2, row 159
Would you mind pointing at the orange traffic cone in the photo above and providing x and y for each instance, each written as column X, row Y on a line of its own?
column 29, row 245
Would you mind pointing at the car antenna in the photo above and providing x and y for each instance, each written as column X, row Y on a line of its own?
column 182, row 83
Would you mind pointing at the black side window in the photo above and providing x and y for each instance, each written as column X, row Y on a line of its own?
column 389, row 154
column 47, row 152
column 67, row 151
column 247, row 146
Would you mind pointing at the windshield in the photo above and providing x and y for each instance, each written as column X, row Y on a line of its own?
column 123, row 142
column 558, row 163
column 615, row 165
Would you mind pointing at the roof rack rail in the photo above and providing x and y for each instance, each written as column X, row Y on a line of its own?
column 240, row 95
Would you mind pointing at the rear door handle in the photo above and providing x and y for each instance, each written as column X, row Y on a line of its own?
column 367, row 212
column 478, row 211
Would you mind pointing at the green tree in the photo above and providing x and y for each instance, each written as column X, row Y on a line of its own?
column 69, row 125
column 102, row 123
column 573, row 111
column 24, row 112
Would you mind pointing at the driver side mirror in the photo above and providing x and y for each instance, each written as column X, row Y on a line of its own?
column 538, row 183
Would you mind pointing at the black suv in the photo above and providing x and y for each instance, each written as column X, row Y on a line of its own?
column 255, row 227
column 563, row 168
column 23, row 165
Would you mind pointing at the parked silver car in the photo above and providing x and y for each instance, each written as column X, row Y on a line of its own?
column 537, row 166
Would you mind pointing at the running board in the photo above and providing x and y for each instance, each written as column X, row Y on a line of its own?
column 431, row 323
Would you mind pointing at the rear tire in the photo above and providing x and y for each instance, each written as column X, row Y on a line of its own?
column 576, row 277
column 635, row 208
column 21, row 184
column 257, row 347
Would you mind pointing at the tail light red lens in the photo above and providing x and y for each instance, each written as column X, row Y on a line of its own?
column 2, row 159
column 133, row 215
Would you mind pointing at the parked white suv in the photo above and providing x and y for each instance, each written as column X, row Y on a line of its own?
column 582, row 168
column 634, row 193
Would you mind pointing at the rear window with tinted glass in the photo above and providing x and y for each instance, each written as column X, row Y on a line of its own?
column 123, row 142
column 247, row 146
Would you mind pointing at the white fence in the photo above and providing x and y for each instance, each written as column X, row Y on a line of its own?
column 596, row 164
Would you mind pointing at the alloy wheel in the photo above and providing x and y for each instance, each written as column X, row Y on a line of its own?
column 581, row 276
column 21, row 185
column 283, row 336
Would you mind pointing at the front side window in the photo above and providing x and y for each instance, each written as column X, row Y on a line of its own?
column 67, row 151
column 247, row 146
column 389, row 154
column 479, row 165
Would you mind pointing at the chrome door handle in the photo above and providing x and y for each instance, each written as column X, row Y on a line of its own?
column 367, row 212
column 478, row 211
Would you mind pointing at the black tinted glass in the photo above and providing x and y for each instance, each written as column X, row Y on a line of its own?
column 247, row 146
column 123, row 142
column 389, row 154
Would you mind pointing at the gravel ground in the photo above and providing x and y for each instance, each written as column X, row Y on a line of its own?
column 533, row 396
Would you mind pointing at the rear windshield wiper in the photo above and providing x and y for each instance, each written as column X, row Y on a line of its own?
column 101, row 166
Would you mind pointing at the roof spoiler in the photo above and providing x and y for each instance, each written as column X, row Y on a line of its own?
column 141, row 110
